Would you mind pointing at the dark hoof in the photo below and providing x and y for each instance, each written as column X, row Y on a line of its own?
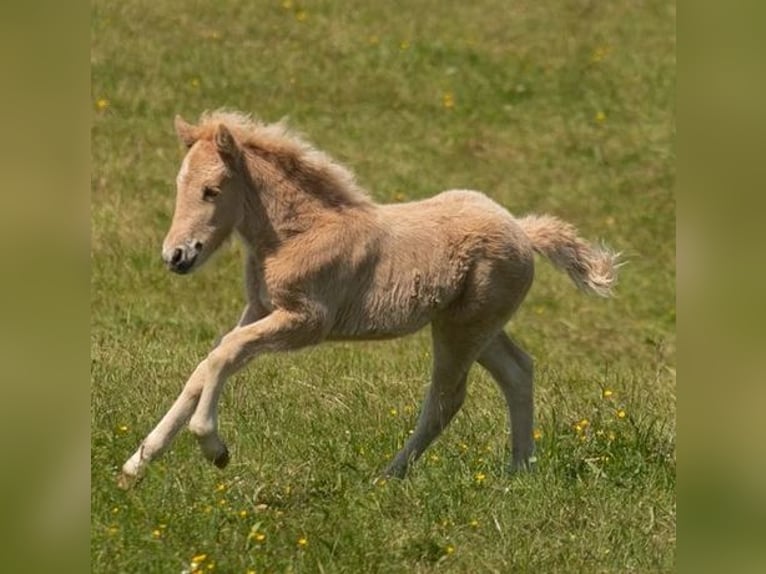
column 222, row 459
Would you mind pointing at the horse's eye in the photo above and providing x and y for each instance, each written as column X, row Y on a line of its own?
column 209, row 193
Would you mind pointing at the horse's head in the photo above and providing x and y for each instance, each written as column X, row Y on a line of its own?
column 209, row 198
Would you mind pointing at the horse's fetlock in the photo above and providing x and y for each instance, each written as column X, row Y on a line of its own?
column 201, row 428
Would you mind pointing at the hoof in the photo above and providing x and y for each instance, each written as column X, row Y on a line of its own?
column 396, row 472
column 222, row 459
column 527, row 466
column 126, row 481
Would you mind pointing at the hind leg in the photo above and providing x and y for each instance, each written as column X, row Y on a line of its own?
column 511, row 368
column 453, row 356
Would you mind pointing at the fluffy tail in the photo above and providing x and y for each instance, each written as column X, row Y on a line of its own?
column 592, row 268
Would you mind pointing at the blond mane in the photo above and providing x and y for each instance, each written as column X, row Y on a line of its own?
column 290, row 150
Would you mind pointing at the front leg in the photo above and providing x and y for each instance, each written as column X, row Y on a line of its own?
column 159, row 439
column 255, row 308
column 253, row 312
column 280, row 331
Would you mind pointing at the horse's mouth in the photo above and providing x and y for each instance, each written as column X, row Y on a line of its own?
column 183, row 267
column 182, row 259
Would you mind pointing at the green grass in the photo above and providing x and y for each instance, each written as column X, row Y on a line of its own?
column 563, row 107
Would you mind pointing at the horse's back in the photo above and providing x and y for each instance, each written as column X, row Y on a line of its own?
column 457, row 253
column 456, row 220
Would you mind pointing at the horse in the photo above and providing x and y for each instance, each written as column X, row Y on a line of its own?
column 324, row 262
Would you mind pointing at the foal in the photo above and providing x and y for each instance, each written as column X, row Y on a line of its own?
column 324, row 262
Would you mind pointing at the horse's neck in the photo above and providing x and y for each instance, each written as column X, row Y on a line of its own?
column 277, row 208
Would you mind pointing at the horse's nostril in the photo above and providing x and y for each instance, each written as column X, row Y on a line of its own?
column 198, row 246
column 177, row 255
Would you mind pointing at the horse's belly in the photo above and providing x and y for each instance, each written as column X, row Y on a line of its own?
column 386, row 315
column 378, row 329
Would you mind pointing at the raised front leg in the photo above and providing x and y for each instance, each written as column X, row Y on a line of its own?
column 198, row 403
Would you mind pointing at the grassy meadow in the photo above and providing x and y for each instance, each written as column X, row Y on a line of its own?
column 564, row 107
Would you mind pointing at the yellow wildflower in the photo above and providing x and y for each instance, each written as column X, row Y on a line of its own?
column 242, row 513
column 199, row 559
column 403, row 45
column 303, row 541
column 607, row 392
column 301, row 15
column 621, row 414
column 393, row 412
column 537, row 434
column 102, row 104
column 599, row 54
column 434, row 457
column 195, row 82
column 156, row 533
column 123, row 428
column 287, row 4
column 449, row 549
column 448, row 100
column 479, row 477
column 584, row 423
column 600, row 117
column 474, row 523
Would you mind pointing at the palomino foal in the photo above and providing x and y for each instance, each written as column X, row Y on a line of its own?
column 327, row 263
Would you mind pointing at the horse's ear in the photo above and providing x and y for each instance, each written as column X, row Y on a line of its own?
column 187, row 133
column 226, row 144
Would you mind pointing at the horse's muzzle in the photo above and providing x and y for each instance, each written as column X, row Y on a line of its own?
column 181, row 259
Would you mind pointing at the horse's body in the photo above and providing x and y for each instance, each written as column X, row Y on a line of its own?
column 327, row 263
column 389, row 270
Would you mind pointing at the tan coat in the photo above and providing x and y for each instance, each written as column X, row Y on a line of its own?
column 326, row 262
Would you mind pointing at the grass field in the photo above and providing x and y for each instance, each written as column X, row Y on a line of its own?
column 564, row 107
